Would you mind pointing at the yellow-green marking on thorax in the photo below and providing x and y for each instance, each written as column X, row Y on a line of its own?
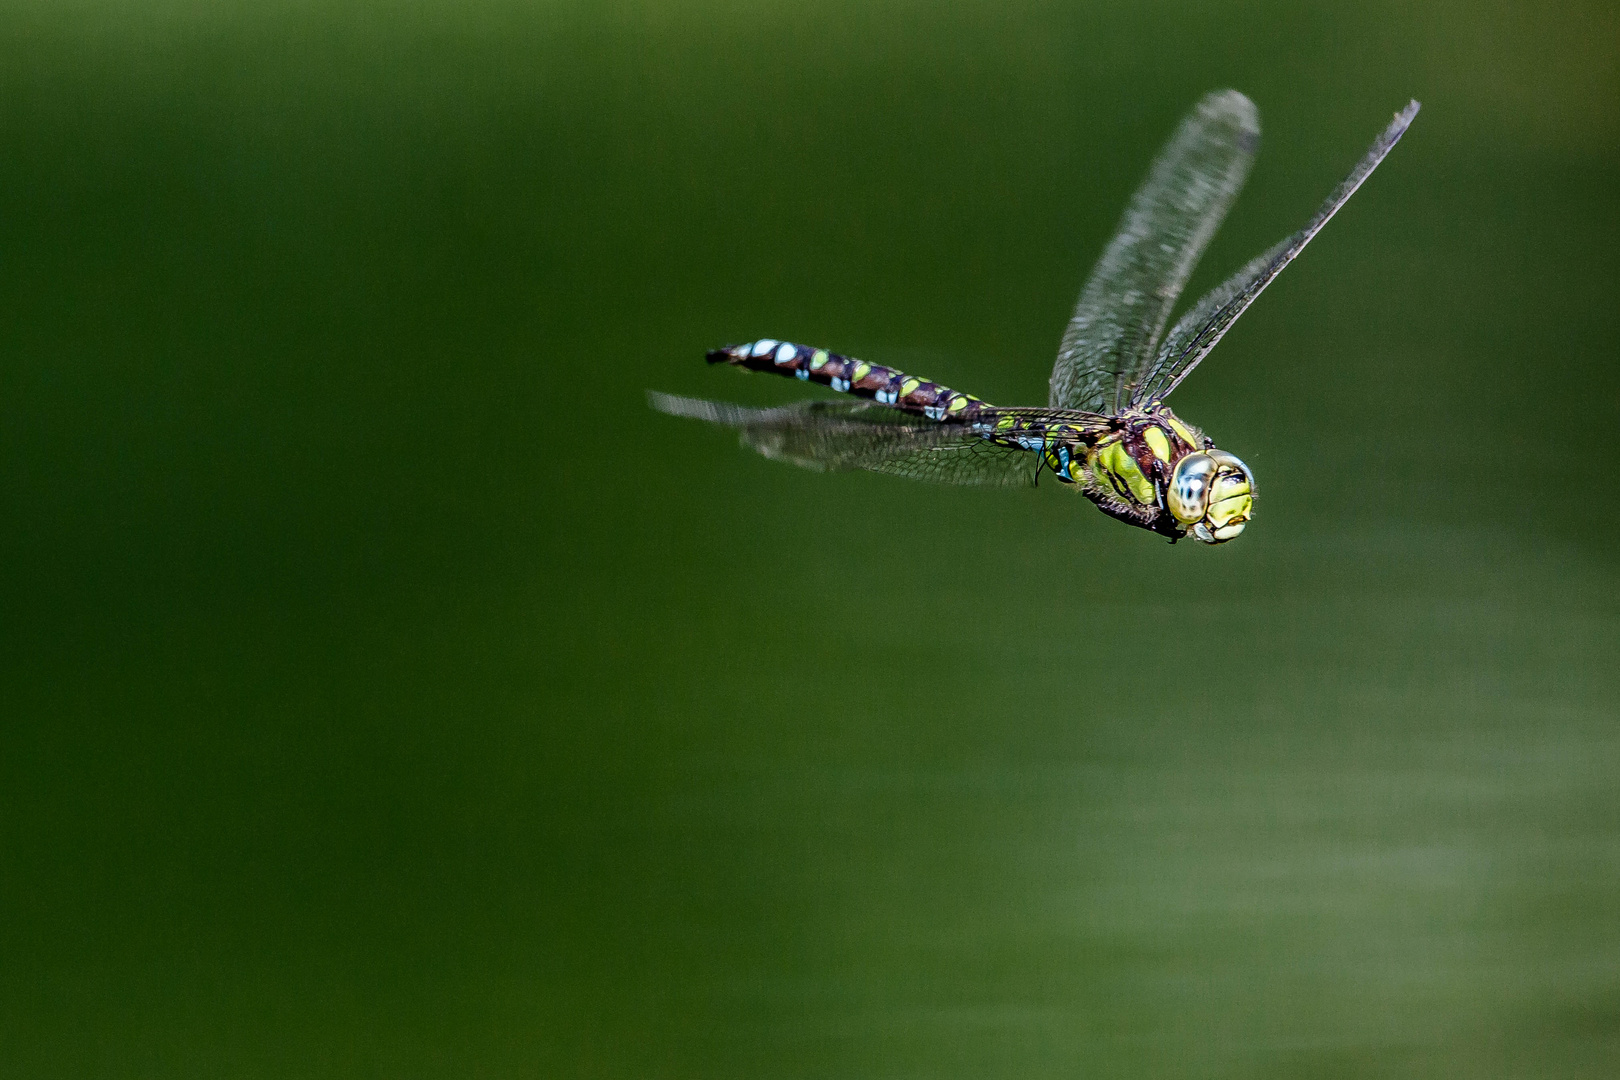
column 1111, row 463
column 1187, row 434
column 1158, row 442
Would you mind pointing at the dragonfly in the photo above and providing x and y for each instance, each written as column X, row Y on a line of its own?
column 1106, row 430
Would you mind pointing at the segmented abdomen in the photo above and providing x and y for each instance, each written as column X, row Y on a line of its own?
column 882, row 384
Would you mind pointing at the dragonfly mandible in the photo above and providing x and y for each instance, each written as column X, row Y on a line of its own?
column 1106, row 430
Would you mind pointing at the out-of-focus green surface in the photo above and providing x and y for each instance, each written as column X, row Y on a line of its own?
column 388, row 693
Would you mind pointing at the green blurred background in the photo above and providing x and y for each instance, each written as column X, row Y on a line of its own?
column 388, row 693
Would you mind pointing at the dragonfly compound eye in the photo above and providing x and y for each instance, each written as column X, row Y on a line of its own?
column 1188, row 496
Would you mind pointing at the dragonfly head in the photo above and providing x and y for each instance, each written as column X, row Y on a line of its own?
column 1212, row 492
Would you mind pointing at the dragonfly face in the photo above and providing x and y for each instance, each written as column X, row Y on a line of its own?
column 1105, row 428
column 1212, row 493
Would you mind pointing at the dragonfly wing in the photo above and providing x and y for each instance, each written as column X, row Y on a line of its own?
column 837, row 435
column 1122, row 310
column 1197, row 332
column 975, row 462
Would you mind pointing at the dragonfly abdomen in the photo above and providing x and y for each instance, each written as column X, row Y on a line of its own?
column 885, row 385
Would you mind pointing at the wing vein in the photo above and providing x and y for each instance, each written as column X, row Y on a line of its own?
column 1203, row 326
column 1121, row 313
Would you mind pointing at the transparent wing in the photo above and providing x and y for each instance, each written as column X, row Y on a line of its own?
column 1127, row 299
column 837, row 435
column 977, row 463
column 1197, row 332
